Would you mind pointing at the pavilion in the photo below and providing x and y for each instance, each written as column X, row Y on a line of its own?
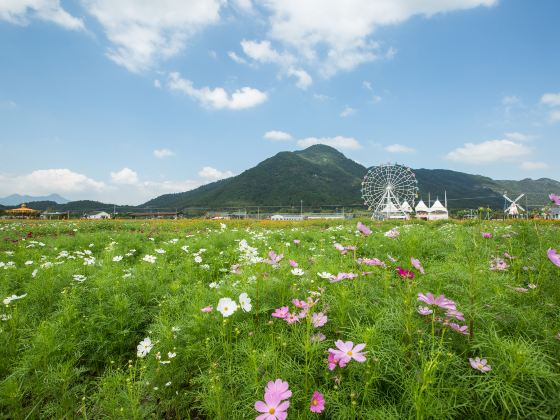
column 23, row 212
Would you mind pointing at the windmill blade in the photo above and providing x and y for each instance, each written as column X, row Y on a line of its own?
column 518, row 197
column 520, row 208
column 507, row 198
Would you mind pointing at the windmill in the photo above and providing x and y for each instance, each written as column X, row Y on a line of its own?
column 513, row 210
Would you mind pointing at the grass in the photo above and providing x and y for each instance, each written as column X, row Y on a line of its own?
column 68, row 348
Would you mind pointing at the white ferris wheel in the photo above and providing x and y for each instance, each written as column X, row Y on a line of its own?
column 390, row 191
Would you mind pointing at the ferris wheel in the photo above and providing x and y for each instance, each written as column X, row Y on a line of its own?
column 389, row 190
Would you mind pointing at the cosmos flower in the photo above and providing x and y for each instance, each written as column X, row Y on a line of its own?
column 371, row 261
column 280, row 388
column 160, row 251
column 553, row 257
column 291, row 318
column 273, row 259
column 298, row 272
column 440, row 301
column 481, row 365
column 273, row 408
column 281, row 313
column 424, row 310
column 207, row 309
column 10, row 299
column 149, row 258
column 346, row 351
column 498, row 264
column 554, row 198
column 453, row 313
column 406, row 274
column 144, row 347
column 319, row 319
column 486, row 235
column 392, row 234
column 416, row 264
column 325, row 275
column 317, row 338
column 317, row 402
column 461, row 329
column 245, row 302
column 297, row 241
column 117, row 258
column 364, row 230
column 226, row 306
column 293, row 263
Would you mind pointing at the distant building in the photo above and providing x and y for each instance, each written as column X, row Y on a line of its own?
column 100, row 215
column 555, row 213
column 438, row 212
column 155, row 215
column 422, row 210
column 23, row 212
column 286, row 217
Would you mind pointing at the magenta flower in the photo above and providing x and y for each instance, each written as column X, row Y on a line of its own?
column 291, row 318
column 416, row 264
column 461, row 329
column 486, row 235
column 346, row 351
column 317, row 402
column 300, row 303
column 207, row 309
column 364, row 230
column 273, row 408
column 424, row 310
column 498, row 264
column 440, row 301
column 481, row 365
column 333, row 362
column 405, row 274
column 319, row 319
column 553, row 257
column 554, row 198
column 280, row 388
column 453, row 313
column 297, row 241
column 281, row 313
column 293, row 263
column 274, row 259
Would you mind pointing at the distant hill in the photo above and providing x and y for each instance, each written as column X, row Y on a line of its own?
column 17, row 199
column 321, row 175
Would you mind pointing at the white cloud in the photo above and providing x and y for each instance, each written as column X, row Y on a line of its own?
column 277, row 135
column 304, row 80
column 489, row 152
column 338, row 142
column 511, row 100
column 213, row 174
column 334, row 35
column 515, row 136
column 20, row 12
column 47, row 181
column 125, row 176
column 347, row 111
column 236, row 58
column 217, row 98
column 399, row 148
column 157, row 83
column 533, row 166
column 367, row 85
column 554, row 116
column 551, row 99
column 144, row 31
column 163, row 153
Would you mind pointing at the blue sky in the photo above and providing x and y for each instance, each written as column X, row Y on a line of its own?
column 120, row 102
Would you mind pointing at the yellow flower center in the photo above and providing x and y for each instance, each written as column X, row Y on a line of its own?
column 271, row 410
column 480, row 366
column 226, row 308
column 349, row 353
column 315, row 402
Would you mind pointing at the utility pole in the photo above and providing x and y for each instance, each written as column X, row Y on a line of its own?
column 301, row 208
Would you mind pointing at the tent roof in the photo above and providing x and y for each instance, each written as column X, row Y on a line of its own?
column 437, row 206
column 390, row 208
column 421, row 206
column 406, row 207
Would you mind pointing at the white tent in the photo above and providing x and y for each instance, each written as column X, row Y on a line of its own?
column 406, row 207
column 438, row 212
column 391, row 211
column 422, row 210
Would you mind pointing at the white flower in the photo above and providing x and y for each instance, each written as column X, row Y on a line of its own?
column 144, row 347
column 34, row 274
column 223, row 226
column 149, row 258
column 214, row 285
column 79, row 277
column 89, row 261
column 5, row 317
column 117, row 258
column 298, row 272
column 160, row 251
column 227, row 306
column 171, row 355
column 10, row 299
column 28, row 262
column 151, row 239
column 245, row 302
column 185, row 248
column 168, row 383
column 175, row 329
column 198, row 259
column 325, row 275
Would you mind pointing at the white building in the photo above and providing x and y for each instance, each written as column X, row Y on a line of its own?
column 286, row 217
column 98, row 215
column 422, row 210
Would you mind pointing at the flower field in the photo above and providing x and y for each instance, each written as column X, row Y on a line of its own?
column 236, row 320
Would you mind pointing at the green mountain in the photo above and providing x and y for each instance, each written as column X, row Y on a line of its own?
column 320, row 176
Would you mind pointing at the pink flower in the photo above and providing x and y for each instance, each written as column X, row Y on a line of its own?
column 342, row 276
column 303, row 313
column 280, row 388
column 319, row 319
column 297, row 241
column 481, row 365
column 461, row 329
column 486, row 235
column 416, row 264
column 273, row 407
column 554, row 198
column 293, row 263
column 291, row 318
column 207, row 309
column 392, row 234
column 317, row 402
column 440, row 301
column 333, row 362
column 281, row 312
column 452, row 313
column 346, row 351
column 371, row 261
column 273, row 258
column 407, row 274
column 497, row 264
column 300, row 303
column 317, row 338
column 364, row 230
column 424, row 310
column 554, row 257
